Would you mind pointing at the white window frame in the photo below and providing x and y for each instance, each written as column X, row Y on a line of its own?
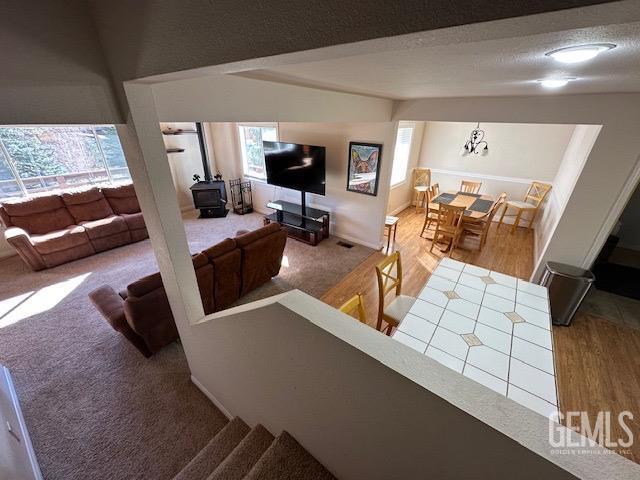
column 25, row 192
column 402, row 125
column 243, row 154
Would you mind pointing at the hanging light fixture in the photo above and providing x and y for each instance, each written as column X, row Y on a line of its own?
column 475, row 144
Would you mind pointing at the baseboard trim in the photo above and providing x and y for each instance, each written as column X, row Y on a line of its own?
column 358, row 241
column 402, row 207
column 211, row 397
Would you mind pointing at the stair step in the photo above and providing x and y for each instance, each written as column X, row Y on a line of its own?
column 244, row 456
column 286, row 459
column 212, row 455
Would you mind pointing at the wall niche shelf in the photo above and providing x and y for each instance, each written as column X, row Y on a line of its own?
column 175, row 150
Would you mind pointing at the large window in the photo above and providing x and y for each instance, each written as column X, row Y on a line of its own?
column 251, row 136
column 36, row 159
column 401, row 154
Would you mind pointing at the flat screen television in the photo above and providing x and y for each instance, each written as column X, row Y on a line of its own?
column 298, row 167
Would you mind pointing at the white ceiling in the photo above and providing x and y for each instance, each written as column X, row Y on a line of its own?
column 508, row 66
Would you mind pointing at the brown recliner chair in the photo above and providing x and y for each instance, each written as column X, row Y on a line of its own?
column 261, row 255
column 224, row 272
column 142, row 312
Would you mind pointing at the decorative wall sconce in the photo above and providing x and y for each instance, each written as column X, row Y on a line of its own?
column 475, row 144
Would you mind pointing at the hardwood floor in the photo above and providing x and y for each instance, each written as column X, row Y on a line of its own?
column 509, row 254
column 597, row 363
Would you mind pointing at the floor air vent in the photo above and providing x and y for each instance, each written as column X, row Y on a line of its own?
column 345, row 244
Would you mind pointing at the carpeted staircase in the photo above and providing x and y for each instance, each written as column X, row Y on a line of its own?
column 240, row 453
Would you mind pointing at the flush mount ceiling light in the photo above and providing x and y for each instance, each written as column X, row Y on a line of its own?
column 579, row 53
column 555, row 82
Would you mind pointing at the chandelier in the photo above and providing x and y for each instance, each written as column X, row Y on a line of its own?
column 475, row 144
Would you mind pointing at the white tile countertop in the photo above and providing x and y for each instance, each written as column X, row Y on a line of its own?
column 490, row 327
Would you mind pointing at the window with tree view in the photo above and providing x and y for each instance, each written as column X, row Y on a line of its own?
column 36, row 159
column 251, row 138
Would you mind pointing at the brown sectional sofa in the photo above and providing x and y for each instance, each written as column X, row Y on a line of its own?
column 52, row 229
column 225, row 272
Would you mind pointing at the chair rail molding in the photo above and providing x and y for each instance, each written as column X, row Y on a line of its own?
column 461, row 173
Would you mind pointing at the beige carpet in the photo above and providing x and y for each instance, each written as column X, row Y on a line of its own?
column 95, row 408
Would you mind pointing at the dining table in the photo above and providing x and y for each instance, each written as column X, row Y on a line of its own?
column 476, row 205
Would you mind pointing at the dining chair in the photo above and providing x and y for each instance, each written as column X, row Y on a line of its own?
column 449, row 225
column 355, row 305
column 421, row 183
column 531, row 203
column 389, row 273
column 431, row 211
column 482, row 225
column 467, row 186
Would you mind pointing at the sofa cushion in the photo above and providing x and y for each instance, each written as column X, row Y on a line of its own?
column 261, row 258
column 154, row 281
column 122, row 198
column 87, row 205
column 227, row 280
column 135, row 221
column 5, row 218
column 225, row 246
column 39, row 215
column 65, row 239
column 105, row 227
column 247, row 238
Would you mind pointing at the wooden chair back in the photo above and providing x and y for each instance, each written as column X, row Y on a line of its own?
column 421, row 177
column 497, row 205
column 435, row 191
column 537, row 193
column 389, row 273
column 355, row 305
column 449, row 217
column 467, row 186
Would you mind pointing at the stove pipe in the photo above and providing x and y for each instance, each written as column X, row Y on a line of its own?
column 203, row 153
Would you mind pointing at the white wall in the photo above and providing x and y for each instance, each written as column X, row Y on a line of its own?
column 401, row 195
column 573, row 161
column 354, row 216
column 367, row 406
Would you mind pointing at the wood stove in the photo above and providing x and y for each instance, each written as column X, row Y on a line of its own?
column 209, row 195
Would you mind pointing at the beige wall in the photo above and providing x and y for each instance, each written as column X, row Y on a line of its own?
column 609, row 175
column 354, row 216
column 530, row 151
column 185, row 164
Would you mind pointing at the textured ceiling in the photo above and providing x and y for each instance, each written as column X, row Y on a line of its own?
column 508, row 66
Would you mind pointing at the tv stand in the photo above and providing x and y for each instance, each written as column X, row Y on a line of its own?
column 309, row 225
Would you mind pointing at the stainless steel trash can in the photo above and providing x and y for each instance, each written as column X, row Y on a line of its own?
column 567, row 287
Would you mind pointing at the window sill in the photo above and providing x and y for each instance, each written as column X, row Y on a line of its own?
column 399, row 184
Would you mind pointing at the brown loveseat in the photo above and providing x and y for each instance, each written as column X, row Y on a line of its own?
column 225, row 272
column 48, row 230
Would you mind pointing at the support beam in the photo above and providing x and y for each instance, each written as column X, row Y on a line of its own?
column 145, row 151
